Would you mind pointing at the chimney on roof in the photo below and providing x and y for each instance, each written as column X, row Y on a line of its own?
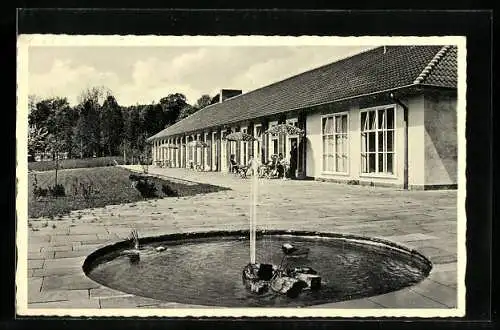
column 228, row 93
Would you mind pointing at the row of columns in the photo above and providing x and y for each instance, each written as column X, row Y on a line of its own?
column 176, row 152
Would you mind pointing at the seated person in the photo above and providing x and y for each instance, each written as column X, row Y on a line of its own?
column 273, row 163
column 234, row 164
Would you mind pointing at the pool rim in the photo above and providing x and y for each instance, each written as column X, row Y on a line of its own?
column 92, row 260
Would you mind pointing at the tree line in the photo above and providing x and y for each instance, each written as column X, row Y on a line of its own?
column 98, row 126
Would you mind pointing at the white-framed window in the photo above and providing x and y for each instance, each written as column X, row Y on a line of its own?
column 334, row 130
column 206, row 151
column 273, row 148
column 377, row 140
column 257, row 145
column 214, row 151
column 289, row 138
column 244, row 147
column 198, row 151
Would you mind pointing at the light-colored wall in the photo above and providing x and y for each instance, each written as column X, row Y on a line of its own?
column 313, row 145
column 315, row 149
column 440, row 134
column 416, row 149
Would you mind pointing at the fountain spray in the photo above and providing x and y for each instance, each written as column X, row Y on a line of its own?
column 253, row 211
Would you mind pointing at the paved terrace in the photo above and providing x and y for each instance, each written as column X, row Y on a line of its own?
column 424, row 220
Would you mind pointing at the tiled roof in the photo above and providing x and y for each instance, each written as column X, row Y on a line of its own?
column 373, row 71
column 445, row 71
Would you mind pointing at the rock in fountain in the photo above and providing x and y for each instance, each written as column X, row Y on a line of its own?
column 258, row 278
column 294, row 251
column 288, row 285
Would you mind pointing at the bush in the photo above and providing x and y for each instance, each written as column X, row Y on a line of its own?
column 57, row 190
column 87, row 190
column 134, row 177
column 40, row 192
column 168, row 191
column 146, row 188
column 75, row 163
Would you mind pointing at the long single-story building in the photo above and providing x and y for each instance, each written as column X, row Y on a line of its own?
column 387, row 116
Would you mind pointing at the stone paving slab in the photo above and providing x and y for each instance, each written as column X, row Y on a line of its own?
column 77, row 281
column 406, row 298
column 127, row 302
column 58, row 295
column 423, row 220
column 102, row 292
column 354, row 304
column 67, row 304
column 437, row 292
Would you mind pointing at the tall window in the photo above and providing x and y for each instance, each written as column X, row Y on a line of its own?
column 257, row 145
column 335, row 143
column 244, row 148
column 377, row 141
column 273, row 141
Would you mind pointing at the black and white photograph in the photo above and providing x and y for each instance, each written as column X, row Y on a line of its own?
column 241, row 176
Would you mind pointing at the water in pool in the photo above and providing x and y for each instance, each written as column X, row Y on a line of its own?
column 209, row 271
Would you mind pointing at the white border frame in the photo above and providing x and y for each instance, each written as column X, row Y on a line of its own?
column 26, row 41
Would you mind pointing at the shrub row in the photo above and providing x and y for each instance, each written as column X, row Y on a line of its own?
column 150, row 187
column 75, row 163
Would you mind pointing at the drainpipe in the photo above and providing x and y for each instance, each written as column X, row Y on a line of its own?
column 405, row 118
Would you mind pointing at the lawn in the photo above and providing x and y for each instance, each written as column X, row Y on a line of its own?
column 75, row 163
column 97, row 187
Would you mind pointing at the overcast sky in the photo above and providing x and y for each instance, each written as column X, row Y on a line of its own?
column 146, row 74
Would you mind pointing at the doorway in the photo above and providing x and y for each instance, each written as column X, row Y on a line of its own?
column 291, row 141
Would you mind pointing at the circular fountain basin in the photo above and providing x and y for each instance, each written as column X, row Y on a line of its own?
column 206, row 268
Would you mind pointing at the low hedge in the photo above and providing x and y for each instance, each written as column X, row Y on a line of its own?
column 75, row 163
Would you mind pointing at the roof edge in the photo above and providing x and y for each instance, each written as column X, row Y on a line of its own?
column 430, row 66
column 314, row 105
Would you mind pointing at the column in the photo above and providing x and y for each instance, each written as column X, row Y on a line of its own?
column 213, row 152
column 153, row 151
column 182, row 152
column 223, row 153
column 205, row 151
column 178, row 150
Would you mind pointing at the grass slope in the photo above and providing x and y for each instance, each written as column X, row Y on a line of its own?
column 110, row 185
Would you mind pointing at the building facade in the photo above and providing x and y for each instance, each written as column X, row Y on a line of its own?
column 387, row 116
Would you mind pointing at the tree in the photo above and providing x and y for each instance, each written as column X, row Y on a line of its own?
column 186, row 111
column 87, row 130
column 39, row 112
column 134, row 126
column 172, row 106
column 111, row 126
column 152, row 118
column 55, row 146
column 36, row 141
column 87, row 134
column 203, row 101
column 61, row 123
column 55, row 115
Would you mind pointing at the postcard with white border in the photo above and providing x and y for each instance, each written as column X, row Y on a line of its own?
column 231, row 176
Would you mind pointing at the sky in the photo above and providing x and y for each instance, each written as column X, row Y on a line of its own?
column 145, row 74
